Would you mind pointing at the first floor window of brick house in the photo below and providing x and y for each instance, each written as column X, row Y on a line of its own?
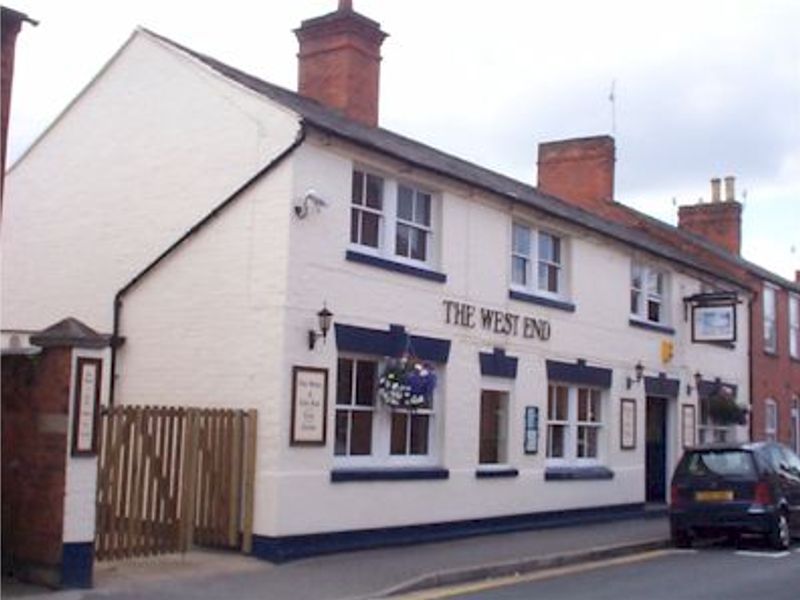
column 493, row 436
column 794, row 326
column 540, row 250
column 574, row 423
column 648, row 292
column 366, row 212
column 770, row 420
column 366, row 429
column 770, row 329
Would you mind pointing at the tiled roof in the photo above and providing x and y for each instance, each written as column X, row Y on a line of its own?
column 386, row 142
column 70, row 332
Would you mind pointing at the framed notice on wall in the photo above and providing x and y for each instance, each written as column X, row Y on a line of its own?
column 309, row 406
column 87, row 406
column 531, row 429
column 688, row 425
column 627, row 424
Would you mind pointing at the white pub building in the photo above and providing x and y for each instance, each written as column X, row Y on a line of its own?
column 434, row 349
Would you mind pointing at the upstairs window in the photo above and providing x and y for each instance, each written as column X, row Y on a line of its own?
column 413, row 223
column 648, row 294
column 537, row 261
column 770, row 328
column 366, row 213
column 794, row 326
column 392, row 220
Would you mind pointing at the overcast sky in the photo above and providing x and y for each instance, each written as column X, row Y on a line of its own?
column 703, row 88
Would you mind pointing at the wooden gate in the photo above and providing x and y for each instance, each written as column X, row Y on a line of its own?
column 168, row 477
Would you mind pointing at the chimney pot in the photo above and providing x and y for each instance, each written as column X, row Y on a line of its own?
column 730, row 196
column 715, row 189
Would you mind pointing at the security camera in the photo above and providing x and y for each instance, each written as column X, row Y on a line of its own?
column 311, row 197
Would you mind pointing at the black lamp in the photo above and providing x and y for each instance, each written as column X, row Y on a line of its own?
column 639, row 369
column 324, row 318
column 698, row 377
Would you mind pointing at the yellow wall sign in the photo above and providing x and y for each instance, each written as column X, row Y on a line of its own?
column 667, row 351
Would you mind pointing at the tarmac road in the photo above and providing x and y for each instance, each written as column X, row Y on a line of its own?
column 712, row 573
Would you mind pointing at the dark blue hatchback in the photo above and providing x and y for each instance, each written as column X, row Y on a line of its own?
column 736, row 489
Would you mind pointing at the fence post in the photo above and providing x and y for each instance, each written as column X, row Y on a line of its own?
column 189, row 472
column 249, row 467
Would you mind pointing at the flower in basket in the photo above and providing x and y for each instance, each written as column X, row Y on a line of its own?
column 406, row 383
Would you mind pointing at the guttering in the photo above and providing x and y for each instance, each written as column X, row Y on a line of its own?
column 116, row 340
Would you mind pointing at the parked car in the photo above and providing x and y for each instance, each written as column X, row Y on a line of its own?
column 734, row 489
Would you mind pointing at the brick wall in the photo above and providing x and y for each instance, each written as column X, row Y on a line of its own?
column 718, row 222
column 578, row 170
column 35, row 415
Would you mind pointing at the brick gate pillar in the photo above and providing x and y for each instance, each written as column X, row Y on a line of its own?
column 50, row 411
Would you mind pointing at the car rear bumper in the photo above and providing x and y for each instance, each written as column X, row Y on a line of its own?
column 746, row 520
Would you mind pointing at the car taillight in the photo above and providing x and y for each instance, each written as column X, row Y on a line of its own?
column 675, row 496
column 763, row 495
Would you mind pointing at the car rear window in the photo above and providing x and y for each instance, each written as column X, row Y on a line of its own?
column 736, row 463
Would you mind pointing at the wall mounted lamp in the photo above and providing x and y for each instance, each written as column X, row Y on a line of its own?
column 324, row 319
column 698, row 377
column 639, row 369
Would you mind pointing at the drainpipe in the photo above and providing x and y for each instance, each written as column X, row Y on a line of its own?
column 116, row 339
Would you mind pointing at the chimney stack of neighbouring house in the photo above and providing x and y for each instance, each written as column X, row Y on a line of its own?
column 339, row 62
column 580, row 170
column 719, row 222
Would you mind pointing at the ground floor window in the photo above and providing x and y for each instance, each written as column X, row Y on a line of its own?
column 796, row 425
column 708, row 431
column 493, row 445
column 574, row 423
column 369, row 431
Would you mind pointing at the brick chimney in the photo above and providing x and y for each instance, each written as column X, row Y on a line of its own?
column 718, row 221
column 339, row 62
column 579, row 170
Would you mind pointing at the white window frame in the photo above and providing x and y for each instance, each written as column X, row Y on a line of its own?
column 387, row 229
column 533, row 261
column 572, row 426
column 646, row 295
column 770, row 313
column 794, row 326
column 382, row 429
column 771, row 420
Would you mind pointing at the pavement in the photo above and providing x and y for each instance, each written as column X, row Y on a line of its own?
column 376, row 573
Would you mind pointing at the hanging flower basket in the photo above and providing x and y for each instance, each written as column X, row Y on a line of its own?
column 406, row 383
column 723, row 409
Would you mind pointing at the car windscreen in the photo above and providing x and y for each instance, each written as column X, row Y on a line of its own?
column 723, row 463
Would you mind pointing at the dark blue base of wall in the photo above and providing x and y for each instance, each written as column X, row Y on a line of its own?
column 283, row 549
column 77, row 564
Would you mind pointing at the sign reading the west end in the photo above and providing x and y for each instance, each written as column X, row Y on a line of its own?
column 309, row 406
column 495, row 321
column 87, row 407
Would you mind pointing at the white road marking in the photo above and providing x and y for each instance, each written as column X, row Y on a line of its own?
column 755, row 554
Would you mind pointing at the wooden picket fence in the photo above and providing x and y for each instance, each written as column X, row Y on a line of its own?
column 169, row 477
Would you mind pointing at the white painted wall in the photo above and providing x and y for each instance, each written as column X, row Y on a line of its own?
column 151, row 146
column 81, row 476
column 206, row 328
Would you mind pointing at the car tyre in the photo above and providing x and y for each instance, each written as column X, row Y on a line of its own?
column 681, row 538
column 780, row 537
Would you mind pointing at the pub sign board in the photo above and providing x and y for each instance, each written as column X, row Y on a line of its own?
column 714, row 323
column 309, row 406
column 87, row 406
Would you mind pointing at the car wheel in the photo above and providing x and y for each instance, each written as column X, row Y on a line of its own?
column 681, row 538
column 780, row 537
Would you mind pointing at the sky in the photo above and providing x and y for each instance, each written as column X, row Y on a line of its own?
column 702, row 88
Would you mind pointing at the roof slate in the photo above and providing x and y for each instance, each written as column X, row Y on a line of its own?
column 428, row 158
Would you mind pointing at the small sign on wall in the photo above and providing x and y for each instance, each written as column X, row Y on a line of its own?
column 309, row 406
column 87, row 406
column 714, row 323
column 531, row 429
column 627, row 424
